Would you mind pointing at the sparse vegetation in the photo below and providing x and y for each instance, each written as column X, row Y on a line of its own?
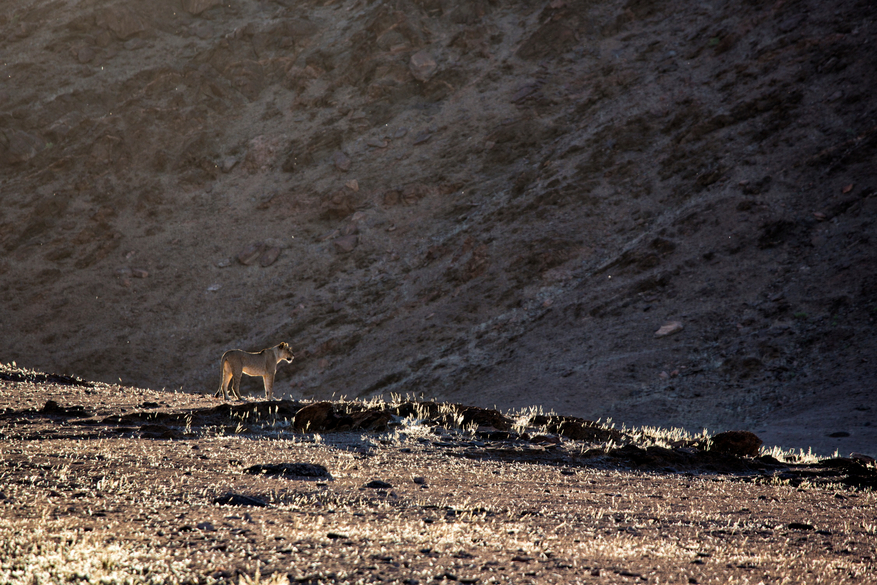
column 448, row 498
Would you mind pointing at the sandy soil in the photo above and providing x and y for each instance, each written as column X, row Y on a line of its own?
column 90, row 495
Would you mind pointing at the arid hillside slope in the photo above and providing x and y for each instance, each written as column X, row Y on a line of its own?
column 495, row 203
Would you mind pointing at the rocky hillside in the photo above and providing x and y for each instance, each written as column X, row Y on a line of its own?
column 489, row 202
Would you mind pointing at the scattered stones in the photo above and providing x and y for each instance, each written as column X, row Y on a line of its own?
column 377, row 143
column 139, row 273
column 353, row 185
column 669, row 328
column 736, row 443
column 205, row 527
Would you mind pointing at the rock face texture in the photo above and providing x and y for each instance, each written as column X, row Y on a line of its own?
column 494, row 203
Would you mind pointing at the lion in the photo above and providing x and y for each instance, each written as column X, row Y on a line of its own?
column 236, row 362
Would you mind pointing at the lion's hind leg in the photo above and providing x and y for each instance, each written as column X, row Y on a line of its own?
column 236, row 385
column 225, row 377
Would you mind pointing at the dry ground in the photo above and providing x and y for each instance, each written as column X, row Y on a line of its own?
column 89, row 502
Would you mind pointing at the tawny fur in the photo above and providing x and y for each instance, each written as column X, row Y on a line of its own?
column 236, row 362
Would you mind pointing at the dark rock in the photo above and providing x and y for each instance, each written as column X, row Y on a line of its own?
column 290, row 470
column 251, row 253
column 484, row 417
column 736, row 443
column 378, row 485
column 422, row 66
column 371, row 420
column 346, row 244
column 336, row 536
column 342, row 161
column 269, row 257
column 158, row 432
column 232, row 499
column 669, row 329
column 316, row 417
column 577, row 429
column 800, row 526
column 52, row 408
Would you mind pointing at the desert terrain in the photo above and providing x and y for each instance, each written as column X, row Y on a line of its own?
column 105, row 483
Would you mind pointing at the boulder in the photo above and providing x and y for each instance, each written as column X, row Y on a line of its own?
column 736, row 443
column 315, row 417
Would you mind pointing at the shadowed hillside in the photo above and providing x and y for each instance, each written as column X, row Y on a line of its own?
column 493, row 203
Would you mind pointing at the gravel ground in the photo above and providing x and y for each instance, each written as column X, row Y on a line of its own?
column 417, row 503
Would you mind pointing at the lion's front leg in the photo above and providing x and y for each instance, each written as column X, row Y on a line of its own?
column 268, row 380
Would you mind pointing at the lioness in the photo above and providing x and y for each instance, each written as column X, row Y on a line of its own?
column 264, row 363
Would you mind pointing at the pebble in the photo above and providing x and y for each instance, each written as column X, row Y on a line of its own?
column 346, row 244
column 228, row 164
column 342, row 161
column 422, row 137
column 251, row 253
column 669, row 328
column 422, row 66
column 269, row 257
